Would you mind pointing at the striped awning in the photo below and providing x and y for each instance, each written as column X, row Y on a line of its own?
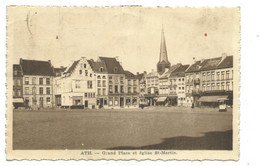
column 17, row 100
column 210, row 99
column 161, row 99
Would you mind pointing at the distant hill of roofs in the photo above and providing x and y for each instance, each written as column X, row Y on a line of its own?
column 108, row 65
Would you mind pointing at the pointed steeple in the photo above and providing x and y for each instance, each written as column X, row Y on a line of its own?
column 163, row 60
column 163, row 50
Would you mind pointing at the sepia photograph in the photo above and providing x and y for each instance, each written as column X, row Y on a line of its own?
column 123, row 83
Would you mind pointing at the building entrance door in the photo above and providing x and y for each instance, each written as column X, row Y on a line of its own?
column 121, row 102
column 101, row 103
column 41, row 101
column 86, row 104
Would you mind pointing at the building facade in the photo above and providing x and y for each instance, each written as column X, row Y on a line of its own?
column 17, row 86
column 209, row 80
column 37, row 83
column 76, row 87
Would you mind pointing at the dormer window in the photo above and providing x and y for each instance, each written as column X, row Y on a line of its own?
column 101, row 69
column 115, row 69
column 85, row 65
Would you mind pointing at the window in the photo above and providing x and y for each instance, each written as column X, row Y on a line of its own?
column 115, row 69
column 18, row 82
column 228, row 86
column 218, row 88
column 222, row 75
column 48, row 90
column 89, row 84
column 86, row 72
column 227, row 74
column 104, row 91
column 77, row 84
column 129, row 82
column 26, row 80
column 110, row 89
column 34, row 90
column 134, row 101
column 208, row 76
column 218, row 75
column 203, row 76
column 27, row 90
column 129, row 90
column 85, row 65
column 99, row 83
column 122, row 89
column 34, row 80
column 41, row 81
column 203, row 87
column 116, row 89
column 135, row 90
column 48, row 81
column 213, row 76
column 212, row 86
column 179, row 79
column 104, row 83
column 99, row 91
column 18, row 93
column 41, row 90
column 128, row 101
column 80, row 72
column 48, row 99
column 222, row 86
column 135, row 82
column 105, row 101
column 15, row 72
column 101, row 69
column 104, row 77
column 90, row 74
column 110, row 79
column 208, row 86
column 182, row 79
column 121, row 80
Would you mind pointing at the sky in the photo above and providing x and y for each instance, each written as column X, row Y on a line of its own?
column 65, row 34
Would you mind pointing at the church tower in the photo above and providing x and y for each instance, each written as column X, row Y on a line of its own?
column 163, row 61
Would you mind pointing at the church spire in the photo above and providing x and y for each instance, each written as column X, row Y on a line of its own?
column 163, row 60
column 163, row 50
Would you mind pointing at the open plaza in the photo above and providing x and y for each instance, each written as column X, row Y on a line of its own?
column 162, row 128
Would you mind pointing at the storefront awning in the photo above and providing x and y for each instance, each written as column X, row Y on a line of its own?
column 212, row 98
column 161, row 99
column 17, row 100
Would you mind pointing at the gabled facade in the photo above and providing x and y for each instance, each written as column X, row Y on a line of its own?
column 37, row 83
column 152, row 88
column 76, row 87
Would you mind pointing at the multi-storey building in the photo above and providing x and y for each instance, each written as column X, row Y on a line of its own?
column 76, row 87
column 116, row 82
column 37, row 83
column 152, row 87
column 209, row 80
column 143, row 89
column 17, row 86
column 101, row 75
column 177, row 79
column 132, row 90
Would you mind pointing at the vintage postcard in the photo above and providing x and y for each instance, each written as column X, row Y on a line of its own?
column 121, row 83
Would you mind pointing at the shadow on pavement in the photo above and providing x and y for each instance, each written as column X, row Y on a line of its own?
column 210, row 141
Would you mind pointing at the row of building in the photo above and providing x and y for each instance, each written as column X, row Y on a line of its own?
column 105, row 84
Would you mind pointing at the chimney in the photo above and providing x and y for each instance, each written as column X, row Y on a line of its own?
column 224, row 55
column 194, row 60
